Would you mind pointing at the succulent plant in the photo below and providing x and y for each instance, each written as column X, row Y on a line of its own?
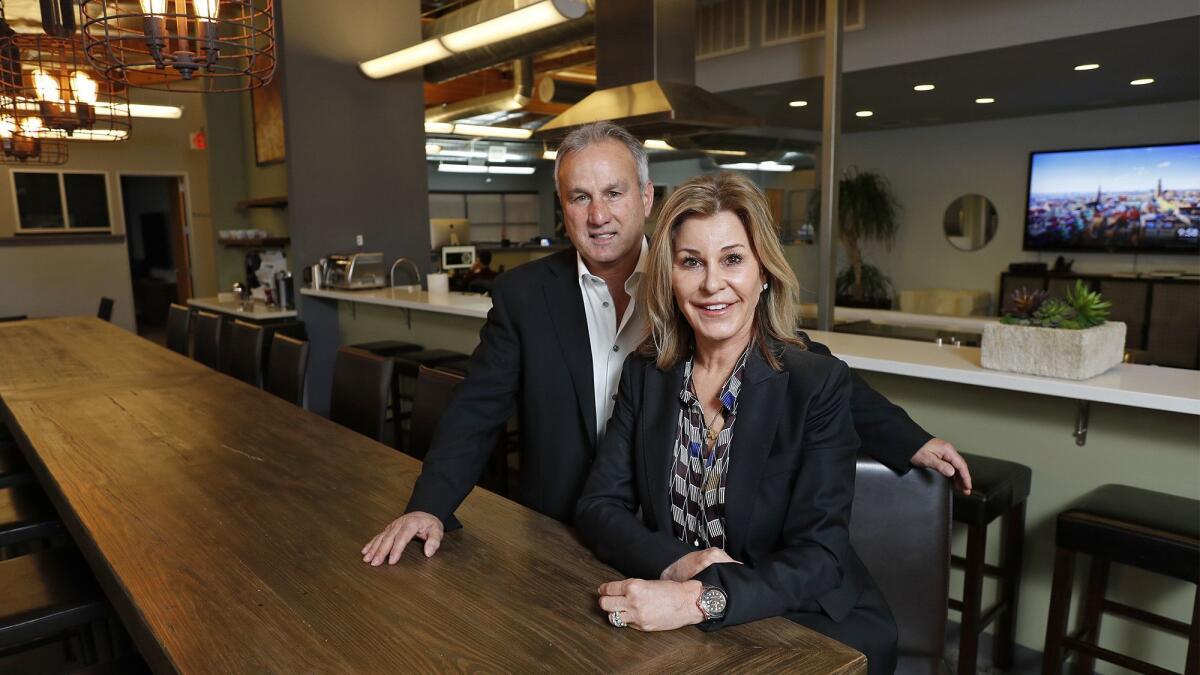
column 1090, row 308
column 1055, row 313
column 1022, row 303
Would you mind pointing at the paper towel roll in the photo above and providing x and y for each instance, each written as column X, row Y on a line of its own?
column 439, row 283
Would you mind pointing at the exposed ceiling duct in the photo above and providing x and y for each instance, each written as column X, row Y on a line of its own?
column 508, row 50
column 646, row 74
column 516, row 97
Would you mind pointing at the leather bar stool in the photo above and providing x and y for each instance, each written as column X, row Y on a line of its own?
column 999, row 490
column 45, row 595
column 106, row 309
column 207, row 347
column 408, row 364
column 25, row 516
column 1156, row 532
column 246, row 352
column 359, row 399
column 286, row 369
column 179, row 328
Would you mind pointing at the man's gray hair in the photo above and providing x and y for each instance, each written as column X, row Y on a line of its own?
column 597, row 132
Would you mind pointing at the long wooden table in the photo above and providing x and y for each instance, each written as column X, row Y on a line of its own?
column 225, row 526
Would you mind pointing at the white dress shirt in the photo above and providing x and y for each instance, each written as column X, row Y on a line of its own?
column 610, row 343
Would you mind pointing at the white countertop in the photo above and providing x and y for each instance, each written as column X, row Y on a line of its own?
column 1154, row 387
column 258, row 311
column 474, row 305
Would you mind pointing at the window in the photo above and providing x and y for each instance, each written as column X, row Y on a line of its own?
column 722, row 27
column 792, row 20
column 49, row 201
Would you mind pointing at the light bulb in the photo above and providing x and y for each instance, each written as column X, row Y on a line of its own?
column 207, row 10
column 46, row 86
column 154, row 7
column 31, row 126
column 85, row 88
column 8, row 126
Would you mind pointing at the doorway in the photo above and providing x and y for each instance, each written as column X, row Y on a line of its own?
column 156, row 235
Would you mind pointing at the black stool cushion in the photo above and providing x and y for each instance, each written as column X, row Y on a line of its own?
column 409, row 363
column 388, row 347
column 1151, row 530
column 45, row 593
column 996, row 486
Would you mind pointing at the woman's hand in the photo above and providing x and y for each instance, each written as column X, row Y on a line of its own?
column 694, row 563
column 653, row 605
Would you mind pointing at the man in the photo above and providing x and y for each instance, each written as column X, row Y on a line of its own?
column 552, row 350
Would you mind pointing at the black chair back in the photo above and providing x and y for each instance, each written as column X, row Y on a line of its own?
column 207, row 347
column 286, row 368
column 359, row 400
column 434, row 390
column 179, row 324
column 106, row 308
column 901, row 530
column 245, row 352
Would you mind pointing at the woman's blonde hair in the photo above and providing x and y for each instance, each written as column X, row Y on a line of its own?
column 668, row 334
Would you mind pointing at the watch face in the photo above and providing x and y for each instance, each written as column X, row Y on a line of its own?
column 713, row 600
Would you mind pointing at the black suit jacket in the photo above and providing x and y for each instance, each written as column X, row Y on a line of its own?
column 788, row 496
column 534, row 358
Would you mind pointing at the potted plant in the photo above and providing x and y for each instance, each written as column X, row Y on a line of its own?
column 867, row 211
column 1067, row 337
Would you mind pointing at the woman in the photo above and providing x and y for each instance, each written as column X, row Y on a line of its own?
column 735, row 444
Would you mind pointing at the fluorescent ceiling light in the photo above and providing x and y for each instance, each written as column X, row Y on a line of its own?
column 797, row 104
column 730, row 153
column 1142, row 80
column 162, row 112
column 432, row 148
column 924, row 87
column 96, row 135
column 519, row 170
column 550, row 155
column 657, row 144
column 465, row 154
column 759, row 166
column 985, row 99
column 497, row 132
column 1087, row 66
column 521, row 21
column 462, row 168
column 863, row 113
column 439, row 128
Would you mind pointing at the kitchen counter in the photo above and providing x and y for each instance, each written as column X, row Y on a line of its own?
column 475, row 305
column 258, row 312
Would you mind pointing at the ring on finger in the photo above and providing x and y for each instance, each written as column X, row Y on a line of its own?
column 615, row 619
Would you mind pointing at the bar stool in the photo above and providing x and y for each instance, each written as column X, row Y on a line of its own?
column 48, row 594
column 388, row 347
column 106, row 309
column 246, row 349
column 25, row 516
column 359, row 398
column 999, row 490
column 1156, row 532
column 408, row 364
column 179, row 325
column 207, row 347
column 285, row 371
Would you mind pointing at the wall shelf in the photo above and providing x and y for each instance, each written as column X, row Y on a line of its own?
column 279, row 202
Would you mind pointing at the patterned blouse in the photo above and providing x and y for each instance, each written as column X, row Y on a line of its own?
column 699, row 473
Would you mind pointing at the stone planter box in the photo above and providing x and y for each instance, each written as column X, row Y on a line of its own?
column 1053, row 352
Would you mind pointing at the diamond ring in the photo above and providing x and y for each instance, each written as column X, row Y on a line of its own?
column 615, row 618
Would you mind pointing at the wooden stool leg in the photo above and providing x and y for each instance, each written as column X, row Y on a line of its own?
column 1060, row 609
column 1090, row 614
column 972, row 599
column 1193, row 653
column 1012, row 535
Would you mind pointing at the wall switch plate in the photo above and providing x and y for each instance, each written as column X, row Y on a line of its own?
column 358, row 240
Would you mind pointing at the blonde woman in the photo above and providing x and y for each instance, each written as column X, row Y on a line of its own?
column 733, row 441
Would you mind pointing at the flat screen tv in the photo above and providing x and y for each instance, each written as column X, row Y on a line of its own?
column 1130, row 199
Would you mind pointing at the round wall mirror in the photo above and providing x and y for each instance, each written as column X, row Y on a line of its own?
column 970, row 222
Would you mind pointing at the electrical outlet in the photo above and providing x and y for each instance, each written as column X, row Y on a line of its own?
column 358, row 240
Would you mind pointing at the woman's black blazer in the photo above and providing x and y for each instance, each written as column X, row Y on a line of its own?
column 788, row 495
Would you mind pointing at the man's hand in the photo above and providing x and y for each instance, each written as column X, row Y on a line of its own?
column 940, row 456
column 389, row 544
column 653, row 605
column 694, row 563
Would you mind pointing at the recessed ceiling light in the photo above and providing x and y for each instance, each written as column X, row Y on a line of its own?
column 797, row 104
column 1143, row 80
column 986, row 99
column 924, row 87
column 863, row 113
column 1087, row 66
column 657, row 144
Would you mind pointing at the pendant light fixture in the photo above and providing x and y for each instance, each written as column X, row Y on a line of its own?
column 23, row 135
column 181, row 45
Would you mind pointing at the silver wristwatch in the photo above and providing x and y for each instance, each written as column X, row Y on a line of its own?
column 712, row 603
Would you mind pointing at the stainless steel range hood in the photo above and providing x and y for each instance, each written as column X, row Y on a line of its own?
column 646, row 75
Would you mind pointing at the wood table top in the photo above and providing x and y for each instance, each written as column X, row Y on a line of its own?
column 225, row 524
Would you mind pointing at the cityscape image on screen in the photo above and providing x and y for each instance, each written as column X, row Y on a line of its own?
column 1116, row 199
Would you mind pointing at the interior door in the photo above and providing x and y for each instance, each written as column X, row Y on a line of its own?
column 177, row 210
